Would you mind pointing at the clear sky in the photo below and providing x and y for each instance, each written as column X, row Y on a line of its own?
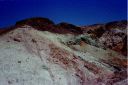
column 78, row 12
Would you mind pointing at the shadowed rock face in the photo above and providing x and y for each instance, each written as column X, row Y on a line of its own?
column 45, row 24
column 70, row 28
column 117, row 24
column 39, row 23
column 99, row 29
column 35, row 22
column 62, row 54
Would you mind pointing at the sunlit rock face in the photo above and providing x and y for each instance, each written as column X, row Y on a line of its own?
column 112, row 35
column 29, row 56
column 116, row 40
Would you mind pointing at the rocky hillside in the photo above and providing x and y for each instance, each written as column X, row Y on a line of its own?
column 112, row 35
column 33, row 54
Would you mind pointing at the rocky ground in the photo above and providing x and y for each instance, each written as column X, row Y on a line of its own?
column 31, row 54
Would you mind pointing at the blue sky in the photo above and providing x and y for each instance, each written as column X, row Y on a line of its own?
column 78, row 12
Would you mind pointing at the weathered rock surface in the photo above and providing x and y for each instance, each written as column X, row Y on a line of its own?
column 30, row 56
column 112, row 35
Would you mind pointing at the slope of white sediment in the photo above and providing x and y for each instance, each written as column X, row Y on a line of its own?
column 21, row 65
column 32, row 57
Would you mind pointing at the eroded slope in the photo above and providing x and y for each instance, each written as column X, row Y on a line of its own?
column 32, row 57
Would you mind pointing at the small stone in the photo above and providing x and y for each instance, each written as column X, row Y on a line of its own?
column 19, row 61
column 9, row 82
column 17, row 39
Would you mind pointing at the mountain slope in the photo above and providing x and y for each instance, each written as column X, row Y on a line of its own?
column 111, row 35
column 32, row 57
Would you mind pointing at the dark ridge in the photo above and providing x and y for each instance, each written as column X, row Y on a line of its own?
column 116, row 24
column 44, row 24
column 99, row 29
column 66, row 25
column 35, row 22
column 6, row 30
column 70, row 27
column 39, row 23
column 93, row 25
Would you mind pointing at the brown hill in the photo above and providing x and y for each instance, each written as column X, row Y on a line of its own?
column 45, row 24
